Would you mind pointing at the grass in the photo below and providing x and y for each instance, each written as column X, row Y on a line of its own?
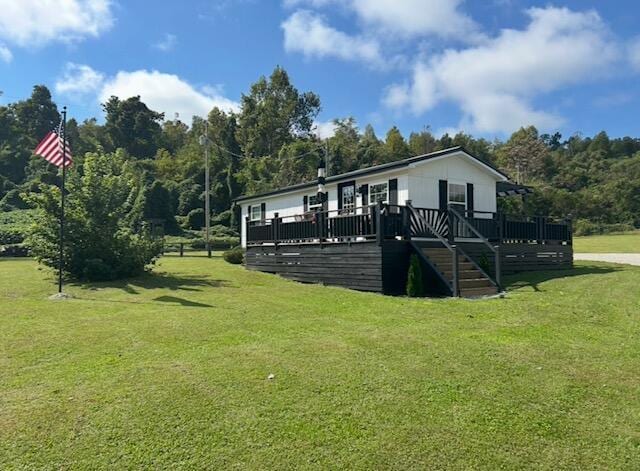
column 170, row 371
column 611, row 243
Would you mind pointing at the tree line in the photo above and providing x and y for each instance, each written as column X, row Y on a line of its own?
column 271, row 142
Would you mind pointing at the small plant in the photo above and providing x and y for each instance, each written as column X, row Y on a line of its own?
column 234, row 255
column 415, row 288
column 484, row 263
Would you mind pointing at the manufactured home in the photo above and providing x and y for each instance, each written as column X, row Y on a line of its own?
column 359, row 229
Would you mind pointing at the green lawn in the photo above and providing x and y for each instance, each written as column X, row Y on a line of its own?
column 170, row 370
column 621, row 243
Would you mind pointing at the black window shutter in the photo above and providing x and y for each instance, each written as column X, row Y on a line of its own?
column 305, row 203
column 470, row 198
column 263, row 211
column 249, row 212
column 393, row 191
column 364, row 192
column 444, row 194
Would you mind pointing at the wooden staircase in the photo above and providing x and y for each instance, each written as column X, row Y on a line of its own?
column 472, row 282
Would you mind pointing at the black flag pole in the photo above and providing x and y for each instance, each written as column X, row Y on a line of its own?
column 63, row 133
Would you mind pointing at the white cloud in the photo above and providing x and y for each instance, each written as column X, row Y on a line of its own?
column 494, row 83
column 324, row 129
column 36, row 22
column 634, row 53
column 78, row 80
column 5, row 54
column 441, row 18
column 166, row 93
column 309, row 34
column 168, row 43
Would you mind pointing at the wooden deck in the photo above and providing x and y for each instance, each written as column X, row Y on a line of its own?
column 369, row 249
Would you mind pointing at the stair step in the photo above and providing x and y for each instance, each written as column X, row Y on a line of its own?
column 466, row 283
column 462, row 274
column 478, row 292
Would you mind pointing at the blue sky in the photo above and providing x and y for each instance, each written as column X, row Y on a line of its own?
column 484, row 67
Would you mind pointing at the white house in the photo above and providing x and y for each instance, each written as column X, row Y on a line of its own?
column 435, row 180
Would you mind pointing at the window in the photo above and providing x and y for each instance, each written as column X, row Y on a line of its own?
column 458, row 195
column 314, row 202
column 256, row 212
column 348, row 198
column 379, row 192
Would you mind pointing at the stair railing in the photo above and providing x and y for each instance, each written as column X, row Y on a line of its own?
column 455, row 285
column 494, row 248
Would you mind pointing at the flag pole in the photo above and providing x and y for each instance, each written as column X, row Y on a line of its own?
column 63, row 131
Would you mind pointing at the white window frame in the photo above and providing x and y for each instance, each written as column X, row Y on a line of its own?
column 371, row 185
column 459, row 203
column 260, row 215
column 351, row 207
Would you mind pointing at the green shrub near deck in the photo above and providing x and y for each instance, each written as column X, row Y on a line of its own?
column 415, row 286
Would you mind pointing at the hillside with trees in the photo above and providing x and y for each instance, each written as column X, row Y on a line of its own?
column 271, row 143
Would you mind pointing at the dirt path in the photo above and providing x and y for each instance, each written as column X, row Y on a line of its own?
column 628, row 258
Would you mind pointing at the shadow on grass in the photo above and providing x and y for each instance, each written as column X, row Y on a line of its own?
column 161, row 281
column 533, row 279
column 180, row 301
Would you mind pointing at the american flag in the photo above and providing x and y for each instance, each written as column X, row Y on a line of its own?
column 51, row 148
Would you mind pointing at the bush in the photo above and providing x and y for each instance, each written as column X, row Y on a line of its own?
column 415, row 288
column 584, row 227
column 14, row 225
column 195, row 219
column 234, row 255
column 99, row 241
column 14, row 250
column 224, row 218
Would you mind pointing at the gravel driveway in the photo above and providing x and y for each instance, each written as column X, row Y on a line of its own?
column 628, row 258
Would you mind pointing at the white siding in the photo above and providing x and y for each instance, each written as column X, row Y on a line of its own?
column 424, row 178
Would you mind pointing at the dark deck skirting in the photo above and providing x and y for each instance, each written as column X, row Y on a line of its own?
column 364, row 266
column 368, row 266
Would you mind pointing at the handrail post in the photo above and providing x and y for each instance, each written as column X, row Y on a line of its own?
column 275, row 222
column 451, row 223
column 455, row 270
column 246, row 226
column 406, row 229
column 379, row 219
column 569, row 231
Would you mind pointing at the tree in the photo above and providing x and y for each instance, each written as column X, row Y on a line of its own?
column 524, row 155
column 343, row 147
column 369, row 150
column 273, row 114
column 130, row 125
column 422, row 142
column 395, row 147
column 99, row 244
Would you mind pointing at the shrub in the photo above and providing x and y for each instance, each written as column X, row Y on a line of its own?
column 415, row 288
column 99, row 241
column 14, row 250
column 14, row 225
column 224, row 218
column 234, row 255
column 195, row 219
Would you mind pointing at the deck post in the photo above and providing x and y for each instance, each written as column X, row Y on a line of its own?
column 455, row 271
column 498, row 266
column 500, row 220
column 379, row 220
column 276, row 229
column 246, row 231
column 452, row 224
column 406, row 229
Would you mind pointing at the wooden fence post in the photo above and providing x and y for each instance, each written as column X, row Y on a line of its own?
column 181, row 249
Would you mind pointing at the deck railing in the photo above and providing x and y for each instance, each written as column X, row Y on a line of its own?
column 384, row 221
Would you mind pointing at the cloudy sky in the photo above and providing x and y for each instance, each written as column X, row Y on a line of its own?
column 485, row 67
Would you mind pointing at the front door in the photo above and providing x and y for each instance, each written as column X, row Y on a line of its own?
column 347, row 197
